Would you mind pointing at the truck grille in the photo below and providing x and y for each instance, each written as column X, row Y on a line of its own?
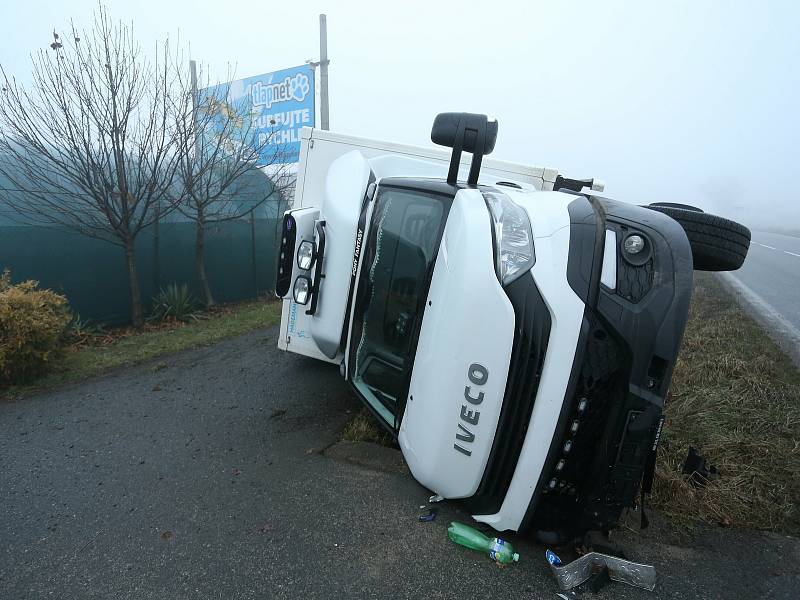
column 634, row 281
column 531, row 334
column 591, row 432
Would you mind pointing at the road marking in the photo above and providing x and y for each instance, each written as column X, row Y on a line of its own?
column 780, row 324
column 774, row 248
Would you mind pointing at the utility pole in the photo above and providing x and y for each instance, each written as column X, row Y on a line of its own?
column 323, row 71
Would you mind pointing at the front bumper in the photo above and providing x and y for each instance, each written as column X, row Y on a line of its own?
column 579, row 468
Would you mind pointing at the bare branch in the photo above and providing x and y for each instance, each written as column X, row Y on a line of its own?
column 92, row 144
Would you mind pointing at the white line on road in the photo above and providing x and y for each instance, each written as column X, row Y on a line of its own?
column 788, row 332
column 774, row 248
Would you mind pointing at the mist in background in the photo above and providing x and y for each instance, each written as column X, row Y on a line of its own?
column 692, row 102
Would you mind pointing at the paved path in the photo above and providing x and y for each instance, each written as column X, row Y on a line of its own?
column 212, row 475
column 769, row 282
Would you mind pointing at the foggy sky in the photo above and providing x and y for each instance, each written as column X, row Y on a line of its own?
column 692, row 102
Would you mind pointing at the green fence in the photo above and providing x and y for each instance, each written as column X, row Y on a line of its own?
column 240, row 262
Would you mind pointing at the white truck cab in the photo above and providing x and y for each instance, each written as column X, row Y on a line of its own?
column 518, row 341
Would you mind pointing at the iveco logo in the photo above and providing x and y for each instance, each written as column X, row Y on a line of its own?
column 478, row 376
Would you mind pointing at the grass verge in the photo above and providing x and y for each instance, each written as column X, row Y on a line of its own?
column 736, row 398
column 88, row 360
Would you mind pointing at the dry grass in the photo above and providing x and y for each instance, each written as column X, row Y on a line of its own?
column 736, row 397
column 364, row 428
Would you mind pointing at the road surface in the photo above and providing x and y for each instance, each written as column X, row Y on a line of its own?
column 212, row 474
column 769, row 281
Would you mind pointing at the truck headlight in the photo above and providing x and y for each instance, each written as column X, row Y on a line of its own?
column 302, row 289
column 305, row 255
column 513, row 237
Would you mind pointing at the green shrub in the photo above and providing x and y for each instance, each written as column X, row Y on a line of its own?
column 175, row 302
column 32, row 323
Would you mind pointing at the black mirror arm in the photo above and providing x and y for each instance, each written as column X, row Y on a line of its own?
column 318, row 275
column 455, row 157
column 477, row 156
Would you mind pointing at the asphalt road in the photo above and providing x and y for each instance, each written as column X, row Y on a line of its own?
column 769, row 281
column 215, row 473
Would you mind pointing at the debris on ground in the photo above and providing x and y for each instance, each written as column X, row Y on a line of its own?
column 427, row 514
column 497, row 549
column 266, row 528
column 434, row 499
column 278, row 412
column 594, row 564
column 697, row 468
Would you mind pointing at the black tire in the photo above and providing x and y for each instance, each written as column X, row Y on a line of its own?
column 718, row 244
column 676, row 205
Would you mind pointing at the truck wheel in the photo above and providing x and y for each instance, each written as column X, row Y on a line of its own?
column 718, row 244
column 675, row 205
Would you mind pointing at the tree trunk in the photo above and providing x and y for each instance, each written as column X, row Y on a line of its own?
column 137, row 315
column 200, row 260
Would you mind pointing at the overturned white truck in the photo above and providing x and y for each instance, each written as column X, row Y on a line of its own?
column 513, row 329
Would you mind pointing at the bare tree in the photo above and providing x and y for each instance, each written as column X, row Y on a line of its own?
column 227, row 153
column 91, row 143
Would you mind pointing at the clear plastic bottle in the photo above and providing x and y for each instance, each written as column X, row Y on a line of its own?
column 497, row 548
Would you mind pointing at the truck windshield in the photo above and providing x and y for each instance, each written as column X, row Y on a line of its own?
column 395, row 274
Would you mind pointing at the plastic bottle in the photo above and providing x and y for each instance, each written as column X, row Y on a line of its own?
column 497, row 548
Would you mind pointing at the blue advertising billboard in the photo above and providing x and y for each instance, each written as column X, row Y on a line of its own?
column 270, row 109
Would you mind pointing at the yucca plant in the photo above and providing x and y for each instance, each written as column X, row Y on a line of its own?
column 80, row 330
column 175, row 302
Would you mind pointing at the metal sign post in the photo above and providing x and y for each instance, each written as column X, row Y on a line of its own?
column 323, row 72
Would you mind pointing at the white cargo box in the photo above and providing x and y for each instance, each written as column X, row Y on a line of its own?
column 318, row 149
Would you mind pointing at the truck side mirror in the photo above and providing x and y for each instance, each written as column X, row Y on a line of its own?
column 474, row 133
